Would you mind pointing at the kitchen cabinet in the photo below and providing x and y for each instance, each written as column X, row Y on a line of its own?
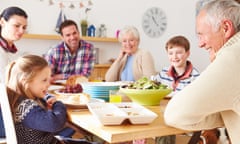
column 99, row 71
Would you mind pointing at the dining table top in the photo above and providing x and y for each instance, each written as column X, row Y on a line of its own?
column 126, row 131
column 84, row 120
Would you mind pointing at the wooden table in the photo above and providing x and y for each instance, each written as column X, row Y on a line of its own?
column 125, row 132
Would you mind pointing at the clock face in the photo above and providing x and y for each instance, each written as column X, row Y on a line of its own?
column 154, row 22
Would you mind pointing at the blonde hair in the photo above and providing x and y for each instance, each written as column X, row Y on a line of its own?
column 20, row 73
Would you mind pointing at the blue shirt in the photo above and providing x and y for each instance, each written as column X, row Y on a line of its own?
column 127, row 73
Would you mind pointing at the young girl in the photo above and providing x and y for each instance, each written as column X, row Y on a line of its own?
column 37, row 117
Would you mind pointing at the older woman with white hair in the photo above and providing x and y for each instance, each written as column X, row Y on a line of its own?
column 132, row 62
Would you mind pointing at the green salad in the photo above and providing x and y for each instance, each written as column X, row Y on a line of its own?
column 145, row 83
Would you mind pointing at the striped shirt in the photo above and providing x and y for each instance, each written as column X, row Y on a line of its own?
column 167, row 77
column 63, row 62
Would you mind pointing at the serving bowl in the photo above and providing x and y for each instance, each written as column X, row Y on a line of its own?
column 147, row 97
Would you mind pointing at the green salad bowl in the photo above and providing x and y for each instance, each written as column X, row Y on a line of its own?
column 147, row 97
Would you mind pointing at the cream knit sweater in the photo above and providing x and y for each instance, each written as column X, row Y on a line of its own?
column 143, row 65
column 213, row 99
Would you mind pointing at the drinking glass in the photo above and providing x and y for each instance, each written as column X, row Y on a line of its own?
column 115, row 96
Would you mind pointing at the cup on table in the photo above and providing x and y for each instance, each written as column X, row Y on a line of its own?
column 115, row 96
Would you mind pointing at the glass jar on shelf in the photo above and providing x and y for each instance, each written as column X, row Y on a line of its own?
column 102, row 31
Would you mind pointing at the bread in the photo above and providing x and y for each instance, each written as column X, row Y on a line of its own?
column 78, row 99
column 75, row 79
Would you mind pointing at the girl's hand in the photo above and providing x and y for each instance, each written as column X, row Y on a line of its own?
column 50, row 101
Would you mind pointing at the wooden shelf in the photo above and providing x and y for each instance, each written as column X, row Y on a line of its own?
column 102, row 65
column 57, row 37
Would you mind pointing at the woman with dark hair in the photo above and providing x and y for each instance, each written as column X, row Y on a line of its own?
column 13, row 24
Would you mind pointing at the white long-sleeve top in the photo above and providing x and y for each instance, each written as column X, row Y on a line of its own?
column 6, row 58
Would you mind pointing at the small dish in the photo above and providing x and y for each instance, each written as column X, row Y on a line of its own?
column 115, row 114
column 137, row 114
column 107, row 113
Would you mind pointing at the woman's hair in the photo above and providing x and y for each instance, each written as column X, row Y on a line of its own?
column 67, row 23
column 10, row 11
column 129, row 30
column 219, row 10
column 20, row 73
column 178, row 41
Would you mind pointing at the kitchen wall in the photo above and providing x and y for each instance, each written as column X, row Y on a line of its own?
column 114, row 14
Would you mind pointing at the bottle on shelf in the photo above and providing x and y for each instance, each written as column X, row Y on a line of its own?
column 102, row 31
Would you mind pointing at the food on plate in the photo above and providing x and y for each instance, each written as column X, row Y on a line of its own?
column 75, row 99
column 132, row 113
column 78, row 99
column 77, row 88
column 109, row 114
column 124, row 106
column 84, row 98
column 76, row 79
column 145, row 83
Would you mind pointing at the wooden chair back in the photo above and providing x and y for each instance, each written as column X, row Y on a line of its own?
column 11, row 137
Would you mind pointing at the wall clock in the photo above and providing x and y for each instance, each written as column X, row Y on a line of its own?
column 154, row 22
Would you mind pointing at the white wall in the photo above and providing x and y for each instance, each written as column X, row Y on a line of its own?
column 115, row 14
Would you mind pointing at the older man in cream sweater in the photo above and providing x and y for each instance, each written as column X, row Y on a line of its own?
column 213, row 99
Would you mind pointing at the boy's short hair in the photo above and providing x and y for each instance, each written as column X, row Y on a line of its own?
column 178, row 41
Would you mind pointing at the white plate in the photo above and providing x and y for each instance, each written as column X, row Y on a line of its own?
column 83, row 105
column 61, row 82
column 117, row 113
column 66, row 94
column 54, row 87
column 69, row 99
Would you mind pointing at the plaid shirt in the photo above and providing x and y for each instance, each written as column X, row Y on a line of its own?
column 63, row 62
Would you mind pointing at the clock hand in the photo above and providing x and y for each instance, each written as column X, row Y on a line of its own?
column 154, row 20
